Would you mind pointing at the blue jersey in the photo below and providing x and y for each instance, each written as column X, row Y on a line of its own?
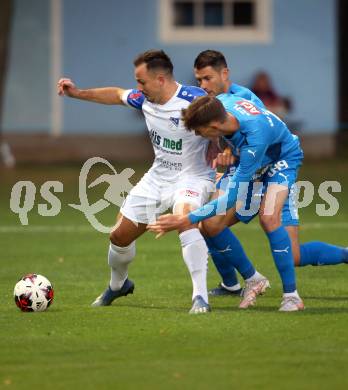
column 261, row 140
column 245, row 93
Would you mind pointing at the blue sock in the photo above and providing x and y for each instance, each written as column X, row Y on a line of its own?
column 321, row 253
column 223, row 265
column 282, row 254
column 227, row 243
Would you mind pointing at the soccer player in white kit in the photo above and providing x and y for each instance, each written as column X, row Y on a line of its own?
column 180, row 177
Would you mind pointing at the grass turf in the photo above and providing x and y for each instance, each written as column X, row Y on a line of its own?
column 147, row 340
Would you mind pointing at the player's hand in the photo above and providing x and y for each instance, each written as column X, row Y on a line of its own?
column 66, row 87
column 168, row 222
column 224, row 159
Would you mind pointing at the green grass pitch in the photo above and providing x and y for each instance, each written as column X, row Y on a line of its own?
column 148, row 340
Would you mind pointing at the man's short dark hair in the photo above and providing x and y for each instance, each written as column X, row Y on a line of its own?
column 202, row 111
column 212, row 58
column 155, row 60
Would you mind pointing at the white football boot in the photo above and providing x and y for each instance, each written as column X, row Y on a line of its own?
column 291, row 303
column 252, row 289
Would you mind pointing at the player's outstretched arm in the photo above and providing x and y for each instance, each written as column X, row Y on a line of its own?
column 107, row 95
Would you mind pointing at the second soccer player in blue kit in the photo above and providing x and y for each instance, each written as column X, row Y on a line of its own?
column 269, row 152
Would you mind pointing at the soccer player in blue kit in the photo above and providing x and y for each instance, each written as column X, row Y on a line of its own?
column 268, row 153
column 212, row 74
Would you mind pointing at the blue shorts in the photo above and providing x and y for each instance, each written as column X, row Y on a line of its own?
column 250, row 195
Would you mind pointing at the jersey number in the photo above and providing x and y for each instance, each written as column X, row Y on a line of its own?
column 249, row 107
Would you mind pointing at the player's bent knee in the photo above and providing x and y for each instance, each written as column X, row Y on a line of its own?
column 212, row 227
column 119, row 239
column 270, row 222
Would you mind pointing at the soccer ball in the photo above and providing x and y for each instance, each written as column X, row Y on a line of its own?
column 33, row 293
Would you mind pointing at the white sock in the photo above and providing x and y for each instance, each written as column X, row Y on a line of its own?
column 256, row 276
column 119, row 259
column 195, row 254
column 292, row 294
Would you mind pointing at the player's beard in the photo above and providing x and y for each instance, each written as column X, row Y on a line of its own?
column 220, row 88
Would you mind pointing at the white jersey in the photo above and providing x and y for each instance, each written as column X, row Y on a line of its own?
column 178, row 152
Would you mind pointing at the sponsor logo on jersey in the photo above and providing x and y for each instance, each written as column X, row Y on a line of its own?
column 172, row 144
column 174, row 120
column 135, row 95
column 190, row 193
column 164, row 142
column 155, row 138
column 171, row 165
column 249, row 107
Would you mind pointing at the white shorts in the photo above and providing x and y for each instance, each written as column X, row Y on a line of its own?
column 151, row 197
